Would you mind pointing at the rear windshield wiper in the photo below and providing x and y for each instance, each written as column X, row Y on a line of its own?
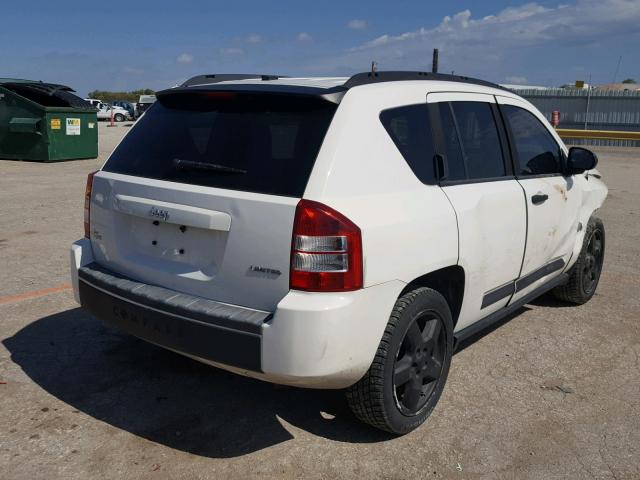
column 192, row 165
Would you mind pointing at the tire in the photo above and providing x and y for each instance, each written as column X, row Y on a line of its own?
column 118, row 117
column 408, row 373
column 585, row 274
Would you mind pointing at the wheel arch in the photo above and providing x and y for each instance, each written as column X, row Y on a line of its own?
column 448, row 281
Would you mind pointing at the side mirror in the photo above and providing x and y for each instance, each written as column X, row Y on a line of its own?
column 581, row 159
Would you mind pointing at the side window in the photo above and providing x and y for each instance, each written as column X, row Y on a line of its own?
column 410, row 130
column 455, row 160
column 472, row 144
column 537, row 152
column 479, row 138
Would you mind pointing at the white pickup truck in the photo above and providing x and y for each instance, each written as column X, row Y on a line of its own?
column 106, row 110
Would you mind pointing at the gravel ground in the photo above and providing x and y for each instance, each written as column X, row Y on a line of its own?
column 552, row 393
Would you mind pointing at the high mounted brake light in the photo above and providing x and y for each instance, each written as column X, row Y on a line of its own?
column 87, row 205
column 326, row 250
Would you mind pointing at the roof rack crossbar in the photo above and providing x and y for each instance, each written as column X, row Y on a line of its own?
column 366, row 78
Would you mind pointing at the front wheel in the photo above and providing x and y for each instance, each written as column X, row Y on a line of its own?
column 119, row 117
column 411, row 365
column 585, row 274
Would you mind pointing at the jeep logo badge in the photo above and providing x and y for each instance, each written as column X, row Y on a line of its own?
column 159, row 213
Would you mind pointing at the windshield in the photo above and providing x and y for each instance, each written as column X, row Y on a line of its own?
column 252, row 142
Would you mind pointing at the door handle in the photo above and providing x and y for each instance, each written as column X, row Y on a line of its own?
column 539, row 198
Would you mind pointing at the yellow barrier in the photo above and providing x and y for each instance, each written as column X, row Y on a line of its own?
column 597, row 134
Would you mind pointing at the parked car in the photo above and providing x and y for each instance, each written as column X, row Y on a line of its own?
column 106, row 111
column 337, row 233
column 144, row 102
column 128, row 106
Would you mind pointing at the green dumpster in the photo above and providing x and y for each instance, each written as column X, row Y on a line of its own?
column 45, row 122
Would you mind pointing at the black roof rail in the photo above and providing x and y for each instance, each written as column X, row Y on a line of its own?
column 367, row 78
column 226, row 77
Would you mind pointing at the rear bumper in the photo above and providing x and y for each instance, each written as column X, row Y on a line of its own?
column 311, row 340
column 209, row 330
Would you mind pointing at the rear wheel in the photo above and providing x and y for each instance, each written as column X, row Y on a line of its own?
column 118, row 117
column 411, row 365
column 585, row 274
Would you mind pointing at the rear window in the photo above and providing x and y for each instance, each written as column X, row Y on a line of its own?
column 259, row 143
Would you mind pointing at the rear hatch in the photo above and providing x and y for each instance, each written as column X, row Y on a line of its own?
column 200, row 195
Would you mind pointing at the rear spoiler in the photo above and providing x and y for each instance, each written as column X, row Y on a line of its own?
column 333, row 95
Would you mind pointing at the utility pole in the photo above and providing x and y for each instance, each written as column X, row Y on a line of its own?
column 617, row 68
column 586, row 113
column 434, row 64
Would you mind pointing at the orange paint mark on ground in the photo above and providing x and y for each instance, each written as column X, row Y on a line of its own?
column 34, row 294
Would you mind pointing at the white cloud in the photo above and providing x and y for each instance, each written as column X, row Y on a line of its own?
column 488, row 45
column 515, row 79
column 357, row 24
column 231, row 51
column 304, row 37
column 254, row 38
column 184, row 58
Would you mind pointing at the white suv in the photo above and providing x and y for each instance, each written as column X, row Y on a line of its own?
column 337, row 233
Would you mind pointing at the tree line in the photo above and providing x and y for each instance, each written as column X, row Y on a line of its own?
column 109, row 97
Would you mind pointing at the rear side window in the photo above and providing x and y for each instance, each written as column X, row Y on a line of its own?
column 536, row 150
column 472, row 144
column 260, row 143
column 410, row 130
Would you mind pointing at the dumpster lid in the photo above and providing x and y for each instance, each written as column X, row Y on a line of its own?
column 48, row 88
column 46, row 94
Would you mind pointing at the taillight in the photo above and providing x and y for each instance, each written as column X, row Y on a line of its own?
column 87, row 205
column 326, row 250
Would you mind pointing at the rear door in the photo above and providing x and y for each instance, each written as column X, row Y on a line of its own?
column 553, row 199
column 488, row 201
column 200, row 196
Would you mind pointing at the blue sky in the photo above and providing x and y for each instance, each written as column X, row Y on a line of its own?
column 113, row 44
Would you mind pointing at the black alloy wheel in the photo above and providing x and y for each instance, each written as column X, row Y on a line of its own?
column 410, row 368
column 419, row 362
column 592, row 266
